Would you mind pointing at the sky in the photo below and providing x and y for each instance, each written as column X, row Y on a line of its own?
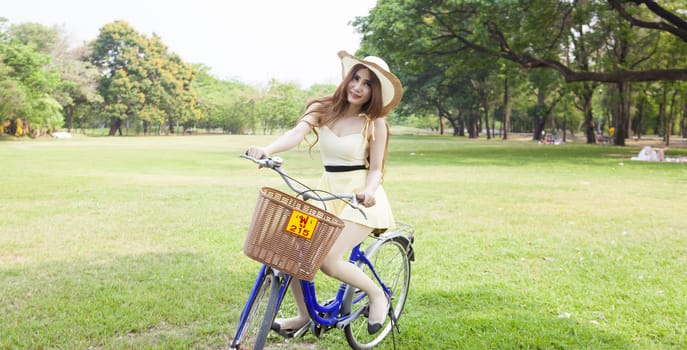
column 252, row 41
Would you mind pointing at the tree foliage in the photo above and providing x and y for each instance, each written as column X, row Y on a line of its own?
column 127, row 81
column 474, row 66
column 584, row 42
column 28, row 88
column 142, row 81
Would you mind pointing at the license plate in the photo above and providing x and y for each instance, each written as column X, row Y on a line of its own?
column 301, row 224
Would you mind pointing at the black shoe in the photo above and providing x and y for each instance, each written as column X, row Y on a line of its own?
column 286, row 333
column 373, row 328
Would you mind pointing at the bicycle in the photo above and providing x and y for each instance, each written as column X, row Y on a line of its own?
column 386, row 259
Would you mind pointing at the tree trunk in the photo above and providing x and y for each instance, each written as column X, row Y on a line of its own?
column 493, row 123
column 628, row 111
column 454, row 123
column 662, row 105
column 670, row 123
column 441, row 123
column 506, row 110
column 473, row 124
column 587, row 96
column 565, row 127
column 478, row 123
column 485, row 107
column 115, row 125
column 487, row 126
column 622, row 118
column 639, row 120
column 539, row 117
column 68, row 113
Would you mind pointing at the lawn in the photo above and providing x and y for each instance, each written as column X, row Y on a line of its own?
column 135, row 243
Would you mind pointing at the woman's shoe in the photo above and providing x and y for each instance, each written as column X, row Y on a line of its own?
column 373, row 328
column 286, row 332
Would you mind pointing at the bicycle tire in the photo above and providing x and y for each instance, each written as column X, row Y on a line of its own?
column 392, row 263
column 261, row 313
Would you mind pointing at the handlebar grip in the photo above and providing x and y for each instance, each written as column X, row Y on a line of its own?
column 269, row 162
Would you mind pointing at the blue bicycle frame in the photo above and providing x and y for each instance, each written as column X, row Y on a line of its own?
column 262, row 274
column 315, row 309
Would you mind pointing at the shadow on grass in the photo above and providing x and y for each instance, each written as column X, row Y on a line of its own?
column 490, row 319
column 151, row 300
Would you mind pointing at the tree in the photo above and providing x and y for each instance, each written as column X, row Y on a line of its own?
column 572, row 38
column 28, row 87
column 142, row 81
column 228, row 105
column 78, row 90
column 280, row 106
column 77, row 86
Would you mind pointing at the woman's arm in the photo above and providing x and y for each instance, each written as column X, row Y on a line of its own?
column 287, row 140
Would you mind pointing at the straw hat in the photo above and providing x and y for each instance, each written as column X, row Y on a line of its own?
column 391, row 86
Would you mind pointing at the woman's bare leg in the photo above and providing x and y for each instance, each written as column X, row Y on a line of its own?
column 302, row 317
column 335, row 266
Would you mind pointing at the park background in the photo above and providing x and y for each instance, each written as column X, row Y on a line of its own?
column 609, row 71
column 134, row 241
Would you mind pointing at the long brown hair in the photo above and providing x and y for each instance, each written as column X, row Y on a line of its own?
column 329, row 109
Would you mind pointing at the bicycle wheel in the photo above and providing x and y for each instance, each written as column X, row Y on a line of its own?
column 390, row 260
column 261, row 313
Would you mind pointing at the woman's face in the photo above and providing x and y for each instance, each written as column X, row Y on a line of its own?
column 360, row 88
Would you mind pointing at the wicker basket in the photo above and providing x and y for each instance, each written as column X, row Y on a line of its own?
column 289, row 234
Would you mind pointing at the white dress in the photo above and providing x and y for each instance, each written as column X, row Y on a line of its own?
column 349, row 150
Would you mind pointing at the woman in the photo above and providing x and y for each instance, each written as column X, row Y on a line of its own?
column 352, row 134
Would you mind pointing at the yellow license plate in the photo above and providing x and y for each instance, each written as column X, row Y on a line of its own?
column 301, row 224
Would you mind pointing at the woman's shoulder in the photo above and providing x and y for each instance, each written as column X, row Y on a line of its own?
column 316, row 112
column 313, row 114
column 380, row 122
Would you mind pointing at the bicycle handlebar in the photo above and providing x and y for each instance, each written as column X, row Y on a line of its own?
column 275, row 164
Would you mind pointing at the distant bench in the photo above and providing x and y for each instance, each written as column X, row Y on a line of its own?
column 602, row 139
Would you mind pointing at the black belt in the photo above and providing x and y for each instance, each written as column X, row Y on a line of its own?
column 343, row 168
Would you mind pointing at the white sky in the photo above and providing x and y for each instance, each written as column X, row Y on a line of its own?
column 252, row 41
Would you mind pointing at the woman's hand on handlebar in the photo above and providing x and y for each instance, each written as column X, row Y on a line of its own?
column 366, row 199
column 257, row 152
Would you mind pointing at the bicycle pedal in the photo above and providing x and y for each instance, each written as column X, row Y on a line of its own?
column 366, row 311
column 307, row 327
column 316, row 330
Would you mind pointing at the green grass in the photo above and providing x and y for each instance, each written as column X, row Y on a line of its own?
column 113, row 243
